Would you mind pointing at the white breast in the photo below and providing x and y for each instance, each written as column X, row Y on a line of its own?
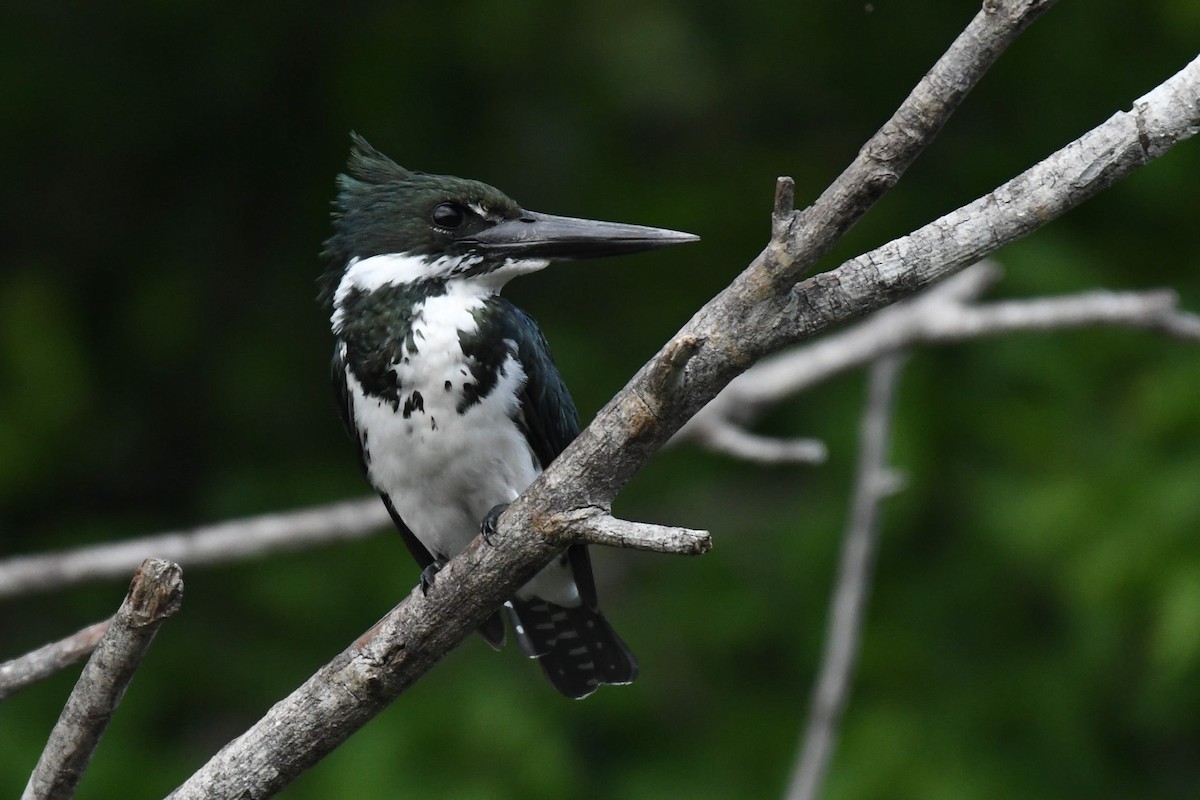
column 444, row 470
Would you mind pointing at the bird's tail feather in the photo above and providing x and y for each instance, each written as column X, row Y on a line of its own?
column 492, row 630
column 577, row 648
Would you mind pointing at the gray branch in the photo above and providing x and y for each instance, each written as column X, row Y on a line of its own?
column 762, row 311
column 213, row 544
column 760, row 314
column 225, row 542
column 154, row 595
column 944, row 313
column 874, row 483
column 40, row 664
column 596, row 527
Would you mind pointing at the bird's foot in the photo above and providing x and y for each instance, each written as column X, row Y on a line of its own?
column 488, row 529
column 427, row 576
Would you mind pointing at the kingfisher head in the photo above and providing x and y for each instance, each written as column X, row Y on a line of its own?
column 394, row 226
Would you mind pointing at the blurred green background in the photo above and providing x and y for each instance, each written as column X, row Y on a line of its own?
column 1035, row 627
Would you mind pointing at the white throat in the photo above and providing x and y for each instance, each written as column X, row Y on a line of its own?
column 396, row 269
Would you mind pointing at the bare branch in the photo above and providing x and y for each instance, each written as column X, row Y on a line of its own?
column 367, row 676
column 732, row 331
column 942, row 314
column 733, row 439
column 848, row 609
column 213, row 544
column 1154, row 310
column 361, row 681
column 599, row 527
column 884, row 158
column 758, row 315
column 1162, row 118
column 154, row 594
column 40, row 664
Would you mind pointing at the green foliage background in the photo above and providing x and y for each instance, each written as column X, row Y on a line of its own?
column 1035, row 628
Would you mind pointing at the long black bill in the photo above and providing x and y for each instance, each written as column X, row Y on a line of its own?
column 534, row 235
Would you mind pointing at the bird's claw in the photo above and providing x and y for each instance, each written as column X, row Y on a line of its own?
column 488, row 528
column 427, row 577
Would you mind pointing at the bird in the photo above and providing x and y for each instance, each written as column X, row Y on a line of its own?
column 449, row 392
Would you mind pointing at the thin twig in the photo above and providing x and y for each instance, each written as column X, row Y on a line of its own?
column 849, row 604
column 734, row 439
column 45, row 661
column 224, row 542
column 154, row 594
column 609, row 531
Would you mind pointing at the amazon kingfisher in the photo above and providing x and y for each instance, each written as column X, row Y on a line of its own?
column 449, row 391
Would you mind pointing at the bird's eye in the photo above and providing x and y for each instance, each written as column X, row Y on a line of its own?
column 448, row 216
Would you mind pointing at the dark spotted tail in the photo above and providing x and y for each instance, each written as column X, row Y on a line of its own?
column 577, row 648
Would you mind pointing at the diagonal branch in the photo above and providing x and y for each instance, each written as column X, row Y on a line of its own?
column 752, row 318
column 1159, row 120
column 40, row 664
column 761, row 312
column 154, row 595
column 800, row 239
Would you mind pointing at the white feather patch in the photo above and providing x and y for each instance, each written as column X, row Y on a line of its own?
column 444, row 470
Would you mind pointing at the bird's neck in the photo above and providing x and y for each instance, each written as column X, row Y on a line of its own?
column 468, row 276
